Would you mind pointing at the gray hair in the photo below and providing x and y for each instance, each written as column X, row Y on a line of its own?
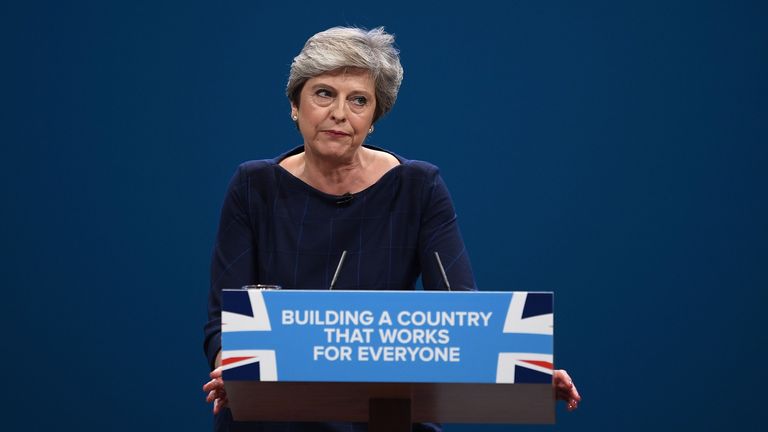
column 340, row 47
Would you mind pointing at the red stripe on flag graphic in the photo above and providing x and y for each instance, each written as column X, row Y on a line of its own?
column 231, row 360
column 543, row 364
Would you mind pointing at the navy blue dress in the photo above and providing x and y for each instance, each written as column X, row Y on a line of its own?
column 276, row 229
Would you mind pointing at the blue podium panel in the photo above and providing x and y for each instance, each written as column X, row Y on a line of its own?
column 387, row 336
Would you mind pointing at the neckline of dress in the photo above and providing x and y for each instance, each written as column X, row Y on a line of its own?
column 299, row 149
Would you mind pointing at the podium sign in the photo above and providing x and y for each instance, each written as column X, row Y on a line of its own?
column 390, row 344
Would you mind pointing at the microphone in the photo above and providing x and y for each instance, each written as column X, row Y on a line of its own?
column 345, row 199
column 442, row 271
column 338, row 270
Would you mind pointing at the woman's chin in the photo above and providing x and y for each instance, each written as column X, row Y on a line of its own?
column 333, row 148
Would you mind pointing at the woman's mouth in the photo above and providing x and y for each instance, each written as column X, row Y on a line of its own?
column 336, row 133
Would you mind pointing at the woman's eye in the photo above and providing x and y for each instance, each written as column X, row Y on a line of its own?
column 323, row 93
column 359, row 100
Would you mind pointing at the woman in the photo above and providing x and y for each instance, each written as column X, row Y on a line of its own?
column 287, row 220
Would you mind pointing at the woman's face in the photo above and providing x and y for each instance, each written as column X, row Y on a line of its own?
column 335, row 112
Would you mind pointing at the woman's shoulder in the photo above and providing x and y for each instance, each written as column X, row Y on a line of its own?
column 252, row 167
column 259, row 167
column 420, row 169
column 252, row 172
column 411, row 166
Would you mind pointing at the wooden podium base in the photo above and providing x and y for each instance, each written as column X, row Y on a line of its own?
column 401, row 404
column 389, row 415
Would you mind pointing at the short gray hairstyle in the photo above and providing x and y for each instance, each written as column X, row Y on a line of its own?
column 340, row 47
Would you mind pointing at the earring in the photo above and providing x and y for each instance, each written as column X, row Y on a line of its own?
column 370, row 131
column 295, row 117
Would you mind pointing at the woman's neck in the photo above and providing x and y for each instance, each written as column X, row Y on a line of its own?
column 334, row 176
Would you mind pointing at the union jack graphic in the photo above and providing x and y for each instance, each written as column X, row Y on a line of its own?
column 247, row 314
column 528, row 313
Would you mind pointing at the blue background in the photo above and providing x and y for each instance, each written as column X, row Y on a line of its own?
column 612, row 152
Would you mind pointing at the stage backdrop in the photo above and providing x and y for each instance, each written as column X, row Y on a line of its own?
column 611, row 152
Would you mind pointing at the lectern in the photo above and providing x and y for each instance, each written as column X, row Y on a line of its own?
column 388, row 358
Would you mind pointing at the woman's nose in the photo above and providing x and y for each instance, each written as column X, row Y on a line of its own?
column 338, row 110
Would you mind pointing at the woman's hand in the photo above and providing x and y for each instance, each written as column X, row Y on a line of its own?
column 215, row 387
column 216, row 392
column 565, row 389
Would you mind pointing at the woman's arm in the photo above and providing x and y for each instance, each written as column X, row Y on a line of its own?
column 439, row 232
column 233, row 262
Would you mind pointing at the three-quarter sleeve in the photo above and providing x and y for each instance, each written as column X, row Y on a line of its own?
column 233, row 263
column 440, row 233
